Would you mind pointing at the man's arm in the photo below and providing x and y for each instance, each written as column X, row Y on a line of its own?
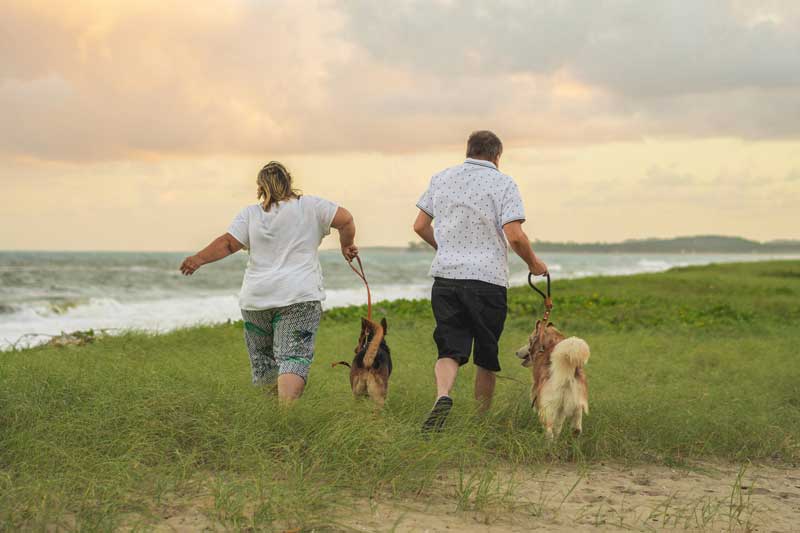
column 222, row 246
column 343, row 222
column 521, row 245
column 424, row 228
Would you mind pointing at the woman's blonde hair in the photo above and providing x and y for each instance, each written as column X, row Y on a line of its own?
column 275, row 185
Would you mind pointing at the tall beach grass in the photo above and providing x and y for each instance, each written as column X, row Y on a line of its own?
column 695, row 363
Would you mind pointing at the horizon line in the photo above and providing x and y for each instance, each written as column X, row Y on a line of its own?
column 410, row 244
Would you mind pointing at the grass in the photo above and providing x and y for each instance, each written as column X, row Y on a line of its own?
column 695, row 363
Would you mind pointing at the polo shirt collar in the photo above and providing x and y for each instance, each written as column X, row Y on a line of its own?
column 481, row 162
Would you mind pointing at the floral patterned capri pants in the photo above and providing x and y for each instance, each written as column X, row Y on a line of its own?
column 281, row 340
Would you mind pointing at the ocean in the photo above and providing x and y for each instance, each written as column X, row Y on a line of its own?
column 46, row 293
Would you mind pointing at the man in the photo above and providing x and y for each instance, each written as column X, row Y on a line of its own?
column 478, row 212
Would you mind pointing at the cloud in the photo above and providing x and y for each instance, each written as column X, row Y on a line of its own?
column 667, row 178
column 104, row 79
column 112, row 80
column 632, row 48
column 728, row 192
column 716, row 68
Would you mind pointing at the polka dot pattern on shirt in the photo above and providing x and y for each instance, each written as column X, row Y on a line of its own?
column 470, row 203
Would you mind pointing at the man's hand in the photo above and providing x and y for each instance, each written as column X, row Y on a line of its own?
column 539, row 268
column 521, row 245
column 350, row 252
column 190, row 264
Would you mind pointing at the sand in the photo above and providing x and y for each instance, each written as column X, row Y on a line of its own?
column 705, row 497
column 612, row 497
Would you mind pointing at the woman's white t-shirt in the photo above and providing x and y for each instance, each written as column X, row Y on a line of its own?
column 283, row 243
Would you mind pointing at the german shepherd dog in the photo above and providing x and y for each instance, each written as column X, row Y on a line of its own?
column 559, row 389
column 372, row 364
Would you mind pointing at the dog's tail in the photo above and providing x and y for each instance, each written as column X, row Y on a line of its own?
column 345, row 363
column 372, row 348
column 568, row 355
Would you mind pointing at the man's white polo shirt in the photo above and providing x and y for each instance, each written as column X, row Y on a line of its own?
column 471, row 203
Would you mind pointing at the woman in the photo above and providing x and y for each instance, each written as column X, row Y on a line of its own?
column 282, row 289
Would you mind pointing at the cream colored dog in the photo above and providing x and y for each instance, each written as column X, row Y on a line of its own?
column 559, row 391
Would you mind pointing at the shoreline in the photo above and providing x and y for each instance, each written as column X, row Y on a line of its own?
column 204, row 310
column 429, row 251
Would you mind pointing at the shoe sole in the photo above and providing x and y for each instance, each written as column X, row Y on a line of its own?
column 438, row 415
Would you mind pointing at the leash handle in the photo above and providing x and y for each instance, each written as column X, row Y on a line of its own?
column 366, row 284
column 548, row 302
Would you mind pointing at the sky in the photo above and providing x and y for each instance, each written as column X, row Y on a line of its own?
column 142, row 125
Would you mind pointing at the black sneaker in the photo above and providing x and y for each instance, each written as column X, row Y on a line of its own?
column 437, row 416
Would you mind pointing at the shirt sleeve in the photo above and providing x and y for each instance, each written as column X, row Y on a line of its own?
column 325, row 210
column 425, row 202
column 240, row 227
column 512, row 209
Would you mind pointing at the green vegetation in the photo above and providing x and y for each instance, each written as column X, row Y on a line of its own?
column 701, row 244
column 695, row 363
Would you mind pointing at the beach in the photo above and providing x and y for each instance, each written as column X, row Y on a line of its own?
column 693, row 422
column 46, row 293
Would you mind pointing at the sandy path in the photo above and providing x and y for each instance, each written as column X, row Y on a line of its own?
column 558, row 498
column 563, row 498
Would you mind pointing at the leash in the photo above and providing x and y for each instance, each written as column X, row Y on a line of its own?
column 500, row 376
column 548, row 301
column 366, row 284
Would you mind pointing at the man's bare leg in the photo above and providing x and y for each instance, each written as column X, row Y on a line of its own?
column 484, row 388
column 446, row 370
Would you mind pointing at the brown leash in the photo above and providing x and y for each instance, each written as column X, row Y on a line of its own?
column 366, row 284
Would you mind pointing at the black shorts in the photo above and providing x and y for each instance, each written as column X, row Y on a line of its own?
column 468, row 312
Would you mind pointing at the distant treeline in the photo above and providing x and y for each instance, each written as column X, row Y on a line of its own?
column 679, row 245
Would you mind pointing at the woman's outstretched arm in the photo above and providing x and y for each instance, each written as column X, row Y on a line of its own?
column 222, row 246
column 343, row 222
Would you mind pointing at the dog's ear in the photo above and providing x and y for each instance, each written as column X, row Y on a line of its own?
column 383, row 325
column 365, row 325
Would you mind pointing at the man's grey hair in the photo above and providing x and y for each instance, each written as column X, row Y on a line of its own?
column 484, row 145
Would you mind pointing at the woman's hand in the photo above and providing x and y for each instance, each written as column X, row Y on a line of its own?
column 343, row 222
column 190, row 264
column 222, row 246
column 350, row 252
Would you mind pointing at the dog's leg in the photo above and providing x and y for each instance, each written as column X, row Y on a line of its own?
column 359, row 385
column 558, row 424
column 376, row 390
column 545, row 415
column 577, row 422
column 548, row 430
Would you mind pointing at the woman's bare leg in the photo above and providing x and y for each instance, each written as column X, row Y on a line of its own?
column 290, row 387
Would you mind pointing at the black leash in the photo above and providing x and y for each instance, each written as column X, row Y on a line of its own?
column 548, row 301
